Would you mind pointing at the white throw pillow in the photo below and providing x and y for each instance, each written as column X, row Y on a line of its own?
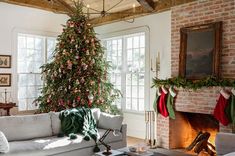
column 4, row 145
column 108, row 121
column 96, row 114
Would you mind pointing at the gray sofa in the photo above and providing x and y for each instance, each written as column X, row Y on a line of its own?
column 35, row 135
column 225, row 144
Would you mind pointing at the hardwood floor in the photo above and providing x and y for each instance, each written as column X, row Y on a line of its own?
column 134, row 141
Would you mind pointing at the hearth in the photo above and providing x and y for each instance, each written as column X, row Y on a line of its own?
column 186, row 127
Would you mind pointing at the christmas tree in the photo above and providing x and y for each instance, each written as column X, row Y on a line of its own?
column 77, row 75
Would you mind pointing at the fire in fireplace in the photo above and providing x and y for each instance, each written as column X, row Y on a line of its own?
column 186, row 127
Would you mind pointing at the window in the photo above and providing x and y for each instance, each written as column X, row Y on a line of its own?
column 32, row 52
column 127, row 57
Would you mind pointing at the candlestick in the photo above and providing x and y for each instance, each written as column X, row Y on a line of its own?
column 5, row 95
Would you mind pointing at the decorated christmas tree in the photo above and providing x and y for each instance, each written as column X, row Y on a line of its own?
column 77, row 75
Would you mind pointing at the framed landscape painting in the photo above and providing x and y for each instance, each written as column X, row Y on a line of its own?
column 5, row 80
column 200, row 48
column 5, row 61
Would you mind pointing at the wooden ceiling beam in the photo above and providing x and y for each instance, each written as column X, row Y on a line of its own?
column 160, row 6
column 39, row 4
column 147, row 4
column 65, row 5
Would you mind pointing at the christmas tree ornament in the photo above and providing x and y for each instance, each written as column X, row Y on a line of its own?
column 77, row 57
column 82, row 80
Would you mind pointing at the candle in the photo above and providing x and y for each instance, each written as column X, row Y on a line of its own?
column 88, row 7
column 133, row 8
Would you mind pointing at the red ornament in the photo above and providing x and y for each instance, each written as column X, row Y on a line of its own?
column 78, row 98
column 89, row 103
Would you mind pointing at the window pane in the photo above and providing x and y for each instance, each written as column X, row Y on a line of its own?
column 21, row 42
column 128, row 91
column 118, row 79
column 134, row 104
column 119, row 44
column 128, row 79
column 21, row 67
column 30, row 42
column 142, row 41
column 136, row 42
column 141, row 79
column 129, row 43
column 38, row 80
column 141, row 92
column 22, row 92
column 31, row 79
column 129, row 55
column 134, row 92
column 22, row 104
column 141, row 104
column 38, row 55
column 128, row 103
column 108, row 45
column 22, row 80
column 38, row 43
column 31, row 92
column 134, row 80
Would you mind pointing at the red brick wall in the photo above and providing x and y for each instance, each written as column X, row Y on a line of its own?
column 203, row 100
column 202, row 12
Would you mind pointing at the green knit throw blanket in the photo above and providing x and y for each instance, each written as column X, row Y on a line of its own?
column 79, row 120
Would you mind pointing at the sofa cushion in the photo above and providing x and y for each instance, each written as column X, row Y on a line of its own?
column 230, row 154
column 26, row 127
column 224, row 143
column 108, row 121
column 4, row 145
column 55, row 122
column 53, row 145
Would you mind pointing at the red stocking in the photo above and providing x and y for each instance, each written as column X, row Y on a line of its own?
column 162, row 109
column 219, row 111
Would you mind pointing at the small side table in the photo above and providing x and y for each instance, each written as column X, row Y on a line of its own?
column 7, row 107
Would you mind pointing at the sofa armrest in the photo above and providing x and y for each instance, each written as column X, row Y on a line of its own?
column 224, row 143
column 124, row 130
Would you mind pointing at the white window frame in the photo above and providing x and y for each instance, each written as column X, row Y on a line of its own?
column 130, row 32
column 15, row 33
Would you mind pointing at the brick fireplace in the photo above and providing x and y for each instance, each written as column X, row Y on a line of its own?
column 203, row 100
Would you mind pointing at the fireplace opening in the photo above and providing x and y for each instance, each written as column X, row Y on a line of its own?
column 186, row 127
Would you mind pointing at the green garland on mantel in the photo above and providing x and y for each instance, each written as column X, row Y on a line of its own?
column 194, row 84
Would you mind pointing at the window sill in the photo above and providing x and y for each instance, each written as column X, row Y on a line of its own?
column 133, row 112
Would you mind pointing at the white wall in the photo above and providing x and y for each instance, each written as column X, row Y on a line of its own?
column 159, row 41
column 16, row 18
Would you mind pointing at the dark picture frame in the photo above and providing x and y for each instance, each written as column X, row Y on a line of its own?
column 5, row 80
column 200, row 48
column 5, row 61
